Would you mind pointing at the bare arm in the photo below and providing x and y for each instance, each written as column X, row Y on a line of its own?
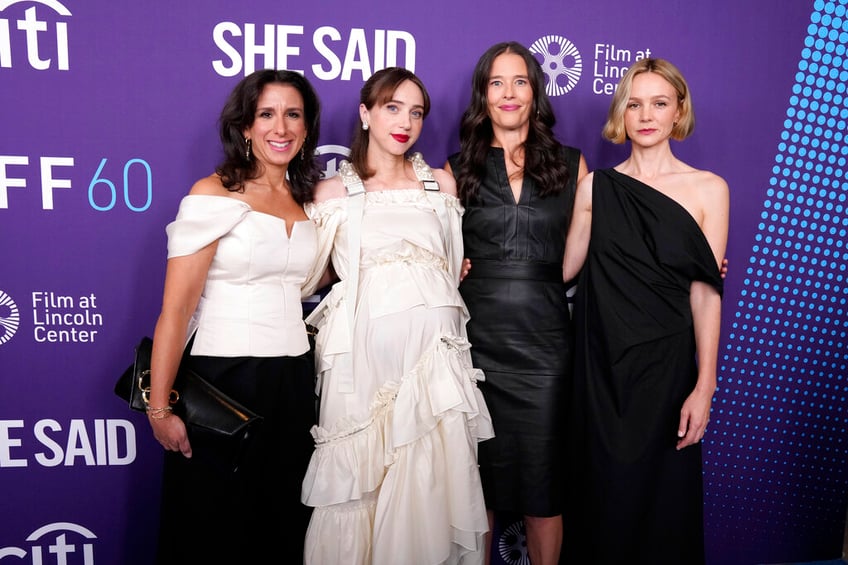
column 577, row 242
column 185, row 278
column 705, row 303
column 447, row 183
column 582, row 170
column 706, row 317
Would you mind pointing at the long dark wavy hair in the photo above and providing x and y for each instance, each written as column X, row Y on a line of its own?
column 239, row 112
column 376, row 91
column 542, row 158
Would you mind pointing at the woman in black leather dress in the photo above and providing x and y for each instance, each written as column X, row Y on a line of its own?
column 517, row 184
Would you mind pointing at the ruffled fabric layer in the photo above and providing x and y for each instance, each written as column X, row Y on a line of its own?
column 424, row 462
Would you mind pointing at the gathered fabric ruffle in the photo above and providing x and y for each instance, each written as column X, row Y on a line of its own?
column 350, row 457
column 367, row 473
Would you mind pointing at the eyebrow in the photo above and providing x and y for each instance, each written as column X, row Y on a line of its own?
column 274, row 107
column 513, row 76
column 393, row 101
column 654, row 97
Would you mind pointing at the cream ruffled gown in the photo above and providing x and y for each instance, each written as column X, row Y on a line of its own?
column 394, row 476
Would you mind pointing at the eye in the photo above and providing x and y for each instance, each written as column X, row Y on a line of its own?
column 417, row 114
column 521, row 82
column 294, row 115
column 264, row 114
column 495, row 83
column 632, row 105
column 392, row 108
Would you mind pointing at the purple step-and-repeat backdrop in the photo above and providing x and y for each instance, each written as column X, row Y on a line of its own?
column 109, row 108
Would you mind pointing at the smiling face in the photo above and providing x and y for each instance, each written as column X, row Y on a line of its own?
column 279, row 126
column 395, row 126
column 652, row 110
column 510, row 95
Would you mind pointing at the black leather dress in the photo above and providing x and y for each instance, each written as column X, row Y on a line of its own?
column 520, row 334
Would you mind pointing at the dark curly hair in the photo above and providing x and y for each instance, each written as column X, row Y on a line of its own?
column 542, row 156
column 239, row 112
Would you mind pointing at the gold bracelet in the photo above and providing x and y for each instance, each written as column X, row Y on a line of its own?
column 159, row 413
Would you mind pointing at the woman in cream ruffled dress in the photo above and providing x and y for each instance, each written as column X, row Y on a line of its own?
column 394, row 476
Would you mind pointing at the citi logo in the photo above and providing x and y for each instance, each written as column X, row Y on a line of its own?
column 60, row 543
column 42, row 41
column 560, row 61
column 10, row 317
column 330, row 156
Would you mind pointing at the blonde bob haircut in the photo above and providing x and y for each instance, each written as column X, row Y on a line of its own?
column 614, row 127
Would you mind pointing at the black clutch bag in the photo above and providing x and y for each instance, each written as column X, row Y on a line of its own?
column 219, row 428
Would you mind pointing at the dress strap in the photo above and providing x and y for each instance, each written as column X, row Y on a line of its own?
column 355, row 205
column 351, row 180
column 424, row 172
column 431, row 188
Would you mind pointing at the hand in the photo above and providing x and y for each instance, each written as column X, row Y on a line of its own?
column 466, row 267
column 170, row 431
column 723, row 267
column 694, row 416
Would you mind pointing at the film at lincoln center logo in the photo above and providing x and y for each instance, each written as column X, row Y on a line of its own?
column 10, row 318
column 561, row 63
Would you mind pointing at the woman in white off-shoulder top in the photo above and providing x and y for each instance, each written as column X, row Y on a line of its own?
column 239, row 253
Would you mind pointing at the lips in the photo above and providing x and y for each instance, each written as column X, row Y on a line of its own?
column 509, row 107
column 400, row 137
column 280, row 145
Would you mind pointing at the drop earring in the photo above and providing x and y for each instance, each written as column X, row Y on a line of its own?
column 248, row 143
column 364, row 126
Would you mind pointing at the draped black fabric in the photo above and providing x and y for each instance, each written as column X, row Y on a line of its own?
column 520, row 331
column 635, row 365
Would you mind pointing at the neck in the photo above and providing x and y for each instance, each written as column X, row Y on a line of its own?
column 512, row 140
column 273, row 178
column 387, row 166
column 649, row 162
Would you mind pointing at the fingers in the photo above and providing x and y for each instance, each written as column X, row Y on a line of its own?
column 171, row 434
column 689, row 432
column 464, row 270
column 185, row 448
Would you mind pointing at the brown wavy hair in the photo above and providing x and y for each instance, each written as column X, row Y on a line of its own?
column 542, row 158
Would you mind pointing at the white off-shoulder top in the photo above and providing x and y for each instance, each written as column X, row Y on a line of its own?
column 251, row 303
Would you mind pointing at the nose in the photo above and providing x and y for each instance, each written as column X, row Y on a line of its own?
column 280, row 125
column 405, row 120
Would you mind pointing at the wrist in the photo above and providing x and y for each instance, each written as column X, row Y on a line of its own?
column 159, row 413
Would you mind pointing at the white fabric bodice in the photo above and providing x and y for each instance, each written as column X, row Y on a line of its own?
column 251, row 303
column 423, row 246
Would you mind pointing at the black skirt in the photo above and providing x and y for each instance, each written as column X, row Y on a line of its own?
column 212, row 517
column 520, row 333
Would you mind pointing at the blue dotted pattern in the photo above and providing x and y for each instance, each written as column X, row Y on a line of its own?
column 776, row 463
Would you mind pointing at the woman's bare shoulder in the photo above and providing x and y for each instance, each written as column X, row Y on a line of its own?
column 330, row 188
column 209, row 186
